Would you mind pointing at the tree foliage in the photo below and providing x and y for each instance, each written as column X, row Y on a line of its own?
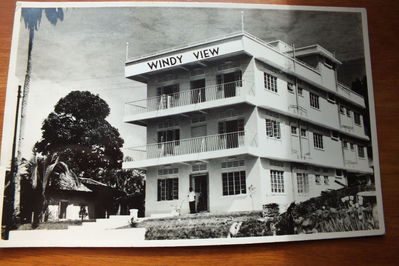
column 131, row 185
column 79, row 134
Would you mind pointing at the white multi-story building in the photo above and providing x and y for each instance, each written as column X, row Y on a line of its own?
column 245, row 123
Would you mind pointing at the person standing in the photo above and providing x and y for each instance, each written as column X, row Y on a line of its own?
column 191, row 200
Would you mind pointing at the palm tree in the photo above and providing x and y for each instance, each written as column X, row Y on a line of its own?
column 41, row 170
column 46, row 173
column 32, row 18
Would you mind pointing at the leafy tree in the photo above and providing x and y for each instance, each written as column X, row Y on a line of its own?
column 131, row 185
column 79, row 134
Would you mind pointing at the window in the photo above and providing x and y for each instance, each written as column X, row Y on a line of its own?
column 273, row 129
column 318, row 140
column 360, row 151
column 304, row 133
column 277, row 181
column 317, row 179
column 168, row 171
column 352, row 146
column 314, row 101
column 294, row 130
column 334, row 135
column 300, row 91
column 270, row 82
column 230, row 126
column 199, row 167
column 326, row 180
column 168, row 189
column 345, row 144
column 234, row 183
column 342, row 109
column 348, row 112
column 169, row 135
column 290, row 87
column 302, row 183
column 357, row 118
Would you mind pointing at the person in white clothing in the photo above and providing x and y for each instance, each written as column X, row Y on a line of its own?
column 191, row 200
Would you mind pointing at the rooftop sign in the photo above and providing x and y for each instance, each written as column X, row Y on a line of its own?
column 181, row 58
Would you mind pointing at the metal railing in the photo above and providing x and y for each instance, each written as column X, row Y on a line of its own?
column 185, row 97
column 188, row 146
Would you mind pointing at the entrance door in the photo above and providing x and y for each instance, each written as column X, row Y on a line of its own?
column 228, row 83
column 231, row 131
column 197, row 91
column 200, row 185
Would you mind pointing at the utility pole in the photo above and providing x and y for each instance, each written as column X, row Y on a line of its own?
column 11, row 182
column 14, row 160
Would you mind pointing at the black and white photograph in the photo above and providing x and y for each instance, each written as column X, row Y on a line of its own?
column 184, row 124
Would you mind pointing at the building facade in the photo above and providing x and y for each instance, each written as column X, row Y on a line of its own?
column 245, row 123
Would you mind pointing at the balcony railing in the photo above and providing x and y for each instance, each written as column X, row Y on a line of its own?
column 186, row 97
column 350, row 94
column 187, row 146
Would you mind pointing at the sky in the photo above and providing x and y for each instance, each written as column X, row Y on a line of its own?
column 87, row 50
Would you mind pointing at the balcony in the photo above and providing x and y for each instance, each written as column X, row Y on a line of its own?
column 188, row 100
column 349, row 94
column 185, row 150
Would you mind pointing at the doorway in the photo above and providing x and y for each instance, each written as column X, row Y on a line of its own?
column 227, row 83
column 62, row 209
column 197, row 91
column 168, row 96
column 199, row 183
column 198, row 133
column 230, row 131
column 168, row 140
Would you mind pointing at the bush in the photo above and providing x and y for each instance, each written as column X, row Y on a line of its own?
column 327, row 213
column 255, row 227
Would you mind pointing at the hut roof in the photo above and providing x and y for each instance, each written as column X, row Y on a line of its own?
column 66, row 181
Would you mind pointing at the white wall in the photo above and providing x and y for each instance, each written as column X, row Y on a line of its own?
column 257, row 176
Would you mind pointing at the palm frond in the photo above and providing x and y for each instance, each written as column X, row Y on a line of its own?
column 48, row 170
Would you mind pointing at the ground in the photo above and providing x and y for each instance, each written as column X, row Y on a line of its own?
column 52, row 225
